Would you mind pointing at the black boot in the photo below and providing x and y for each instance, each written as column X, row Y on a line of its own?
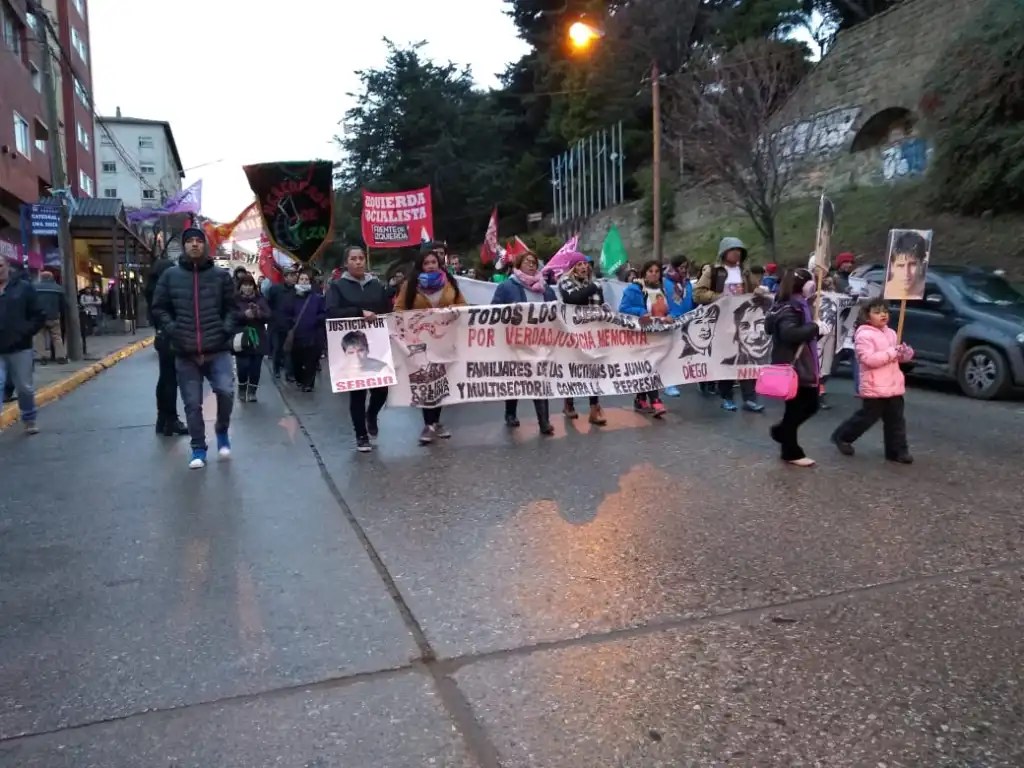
column 510, row 414
column 543, row 417
column 252, row 393
column 173, row 427
column 161, row 424
column 243, row 393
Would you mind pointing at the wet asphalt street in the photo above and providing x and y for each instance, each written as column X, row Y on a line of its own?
column 647, row 595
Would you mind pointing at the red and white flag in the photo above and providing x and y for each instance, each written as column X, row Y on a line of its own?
column 490, row 251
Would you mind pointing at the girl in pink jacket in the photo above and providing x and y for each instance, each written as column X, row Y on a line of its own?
column 879, row 354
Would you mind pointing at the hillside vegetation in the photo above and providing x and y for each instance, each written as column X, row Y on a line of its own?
column 864, row 217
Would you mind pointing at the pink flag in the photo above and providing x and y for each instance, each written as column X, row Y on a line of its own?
column 559, row 263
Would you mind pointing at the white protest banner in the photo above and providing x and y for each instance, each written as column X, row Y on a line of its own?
column 482, row 292
column 359, row 355
column 481, row 353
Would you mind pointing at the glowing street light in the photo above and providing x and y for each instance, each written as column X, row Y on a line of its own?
column 581, row 34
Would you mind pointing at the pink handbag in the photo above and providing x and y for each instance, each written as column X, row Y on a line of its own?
column 779, row 381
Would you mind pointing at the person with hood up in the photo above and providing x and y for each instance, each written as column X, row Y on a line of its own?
column 578, row 287
column 795, row 342
column 729, row 278
column 21, row 318
column 359, row 294
column 167, row 422
column 194, row 304
column 526, row 284
column 430, row 286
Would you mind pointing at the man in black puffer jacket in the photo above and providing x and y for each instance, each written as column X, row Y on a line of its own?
column 194, row 306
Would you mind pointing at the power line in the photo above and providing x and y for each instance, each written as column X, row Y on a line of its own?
column 90, row 104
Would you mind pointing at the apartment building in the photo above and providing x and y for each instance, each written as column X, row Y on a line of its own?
column 138, row 161
column 26, row 137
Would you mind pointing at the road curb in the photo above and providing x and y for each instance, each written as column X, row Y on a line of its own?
column 60, row 388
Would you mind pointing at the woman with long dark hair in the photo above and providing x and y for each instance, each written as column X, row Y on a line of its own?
column 795, row 342
column 253, row 312
column 428, row 286
column 358, row 294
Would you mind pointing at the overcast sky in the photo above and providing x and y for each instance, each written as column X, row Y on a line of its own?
column 243, row 86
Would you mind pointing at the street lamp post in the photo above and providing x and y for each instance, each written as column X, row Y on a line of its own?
column 582, row 35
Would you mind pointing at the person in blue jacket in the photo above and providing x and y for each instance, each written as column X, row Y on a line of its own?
column 526, row 284
column 646, row 299
column 679, row 293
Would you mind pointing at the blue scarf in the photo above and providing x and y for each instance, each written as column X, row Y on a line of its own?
column 431, row 282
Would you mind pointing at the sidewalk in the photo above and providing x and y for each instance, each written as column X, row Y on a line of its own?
column 53, row 381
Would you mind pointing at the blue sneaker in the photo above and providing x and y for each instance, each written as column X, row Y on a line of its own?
column 729, row 405
column 672, row 391
column 198, row 460
column 223, row 446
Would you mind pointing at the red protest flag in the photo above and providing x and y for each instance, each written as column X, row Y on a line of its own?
column 489, row 250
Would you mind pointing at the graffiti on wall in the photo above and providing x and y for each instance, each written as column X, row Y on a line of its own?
column 905, row 158
column 820, row 134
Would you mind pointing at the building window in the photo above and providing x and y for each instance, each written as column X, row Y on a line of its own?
column 83, row 135
column 145, row 142
column 33, row 23
column 85, row 182
column 80, row 93
column 12, row 30
column 110, row 192
column 80, row 7
column 106, row 141
column 42, row 136
column 37, row 77
column 78, row 43
column 147, row 168
column 22, row 137
column 109, row 166
column 149, row 194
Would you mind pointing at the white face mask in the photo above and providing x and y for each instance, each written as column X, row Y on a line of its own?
column 303, row 288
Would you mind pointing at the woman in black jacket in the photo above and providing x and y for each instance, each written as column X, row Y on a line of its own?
column 357, row 294
column 577, row 286
column 795, row 341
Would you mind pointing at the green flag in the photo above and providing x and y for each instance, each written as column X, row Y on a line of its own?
column 613, row 253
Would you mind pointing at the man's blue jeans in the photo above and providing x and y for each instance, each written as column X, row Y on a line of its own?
column 217, row 370
column 17, row 367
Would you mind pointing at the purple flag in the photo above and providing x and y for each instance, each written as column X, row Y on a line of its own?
column 187, row 201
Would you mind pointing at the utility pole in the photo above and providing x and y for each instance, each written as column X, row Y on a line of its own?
column 59, row 181
column 656, row 180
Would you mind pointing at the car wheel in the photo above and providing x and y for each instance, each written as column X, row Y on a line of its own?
column 983, row 373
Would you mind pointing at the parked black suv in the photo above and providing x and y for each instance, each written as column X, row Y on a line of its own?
column 969, row 327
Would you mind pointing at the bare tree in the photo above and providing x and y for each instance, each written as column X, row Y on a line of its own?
column 720, row 111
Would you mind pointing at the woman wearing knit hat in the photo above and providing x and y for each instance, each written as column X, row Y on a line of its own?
column 841, row 275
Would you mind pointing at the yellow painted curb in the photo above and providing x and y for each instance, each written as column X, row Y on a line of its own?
column 60, row 388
